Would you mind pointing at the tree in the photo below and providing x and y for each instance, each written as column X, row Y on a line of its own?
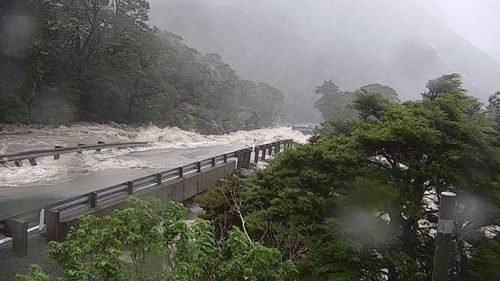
column 384, row 91
column 370, row 103
column 336, row 105
column 98, row 60
column 138, row 243
column 451, row 83
column 494, row 110
column 359, row 202
column 332, row 100
column 485, row 260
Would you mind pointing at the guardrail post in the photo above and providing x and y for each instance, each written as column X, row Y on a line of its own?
column 256, row 155
column 57, row 156
column 213, row 161
column 278, row 147
column 130, row 187
column 93, row 199
column 52, row 221
column 41, row 221
column 80, row 144
column 264, row 152
column 225, row 158
column 248, row 158
column 444, row 236
column 238, row 159
column 99, row 142
column 33, row 162
column 181, row 172
column 158, row 178
column 269, row 149
column 243, row 158
column 18, row 230
column 198, row 167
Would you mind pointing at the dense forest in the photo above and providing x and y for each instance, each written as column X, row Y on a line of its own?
column 63, row 61
column 358, row 202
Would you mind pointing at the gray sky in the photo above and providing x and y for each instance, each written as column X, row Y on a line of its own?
column 476, row 20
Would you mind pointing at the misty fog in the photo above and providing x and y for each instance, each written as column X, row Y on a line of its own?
column 477, row 21
column 295, row 45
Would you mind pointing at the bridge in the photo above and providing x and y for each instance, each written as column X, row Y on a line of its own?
column 178, row 184
column 58, row 150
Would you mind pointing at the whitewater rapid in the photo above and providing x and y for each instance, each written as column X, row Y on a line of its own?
column 70, row 166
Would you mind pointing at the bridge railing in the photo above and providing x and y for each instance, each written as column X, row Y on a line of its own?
column 93, row 199
column 32, row 155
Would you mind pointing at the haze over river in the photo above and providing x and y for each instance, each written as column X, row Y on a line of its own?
column 29, row 188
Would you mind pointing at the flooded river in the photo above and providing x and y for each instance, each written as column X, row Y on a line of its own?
column 29, row 188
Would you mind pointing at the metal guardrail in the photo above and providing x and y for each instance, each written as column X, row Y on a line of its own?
column 34, row 154
column 93, row 199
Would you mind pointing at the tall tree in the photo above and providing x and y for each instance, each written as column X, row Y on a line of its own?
column 494, row 110
column 332, row 100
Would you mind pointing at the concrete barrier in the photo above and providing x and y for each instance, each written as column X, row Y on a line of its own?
column 17, row 229
column 178, row 189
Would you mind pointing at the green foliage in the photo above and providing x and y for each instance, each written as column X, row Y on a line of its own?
column 354, row 204
column 216, row 207
column 494, row 111
column 384, row 91
column 140, row 243
column 12, row 109
column 451, row 83
column 35, row 274
column 333, row 102
column 370, row 104
column 92, row 248
column 54, row 109
column 339, row 107
column 252, row 261
column 100, row 61
column 486, row 260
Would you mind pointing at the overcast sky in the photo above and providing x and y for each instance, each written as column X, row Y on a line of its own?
column 476, row 20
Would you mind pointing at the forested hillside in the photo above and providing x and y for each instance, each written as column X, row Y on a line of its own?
column 63, row 61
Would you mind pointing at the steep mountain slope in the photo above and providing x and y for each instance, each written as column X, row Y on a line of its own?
column 298, row 44
column 477, row 20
